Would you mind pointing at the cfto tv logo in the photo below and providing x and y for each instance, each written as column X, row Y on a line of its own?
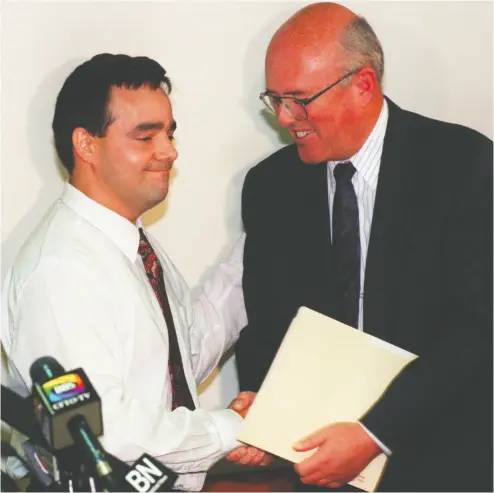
column 65, row 391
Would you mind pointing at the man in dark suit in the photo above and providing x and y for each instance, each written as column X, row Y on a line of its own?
column 380, row 218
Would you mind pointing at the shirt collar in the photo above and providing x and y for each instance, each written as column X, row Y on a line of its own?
column 119, row 230
column 368, row 159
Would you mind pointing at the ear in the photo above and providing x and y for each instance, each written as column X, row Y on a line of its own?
column 85, row 145
column 366, row 84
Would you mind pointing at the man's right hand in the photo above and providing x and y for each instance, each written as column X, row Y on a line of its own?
column 246, row 455
column 250, row 456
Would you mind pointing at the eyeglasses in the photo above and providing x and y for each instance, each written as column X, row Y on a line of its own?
column 296, row 107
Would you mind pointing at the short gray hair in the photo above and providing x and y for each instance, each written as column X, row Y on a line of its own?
column 360, row 46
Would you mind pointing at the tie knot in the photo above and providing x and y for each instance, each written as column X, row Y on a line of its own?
column 344, row 171
column 144, row 245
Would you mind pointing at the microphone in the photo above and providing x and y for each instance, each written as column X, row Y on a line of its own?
column 7, row 482
column 69, row 410
column 59, row 396
column 147, row 474
column 18, row 413
column 39, row 478
column 36, row 464
column 92, row 452
column 48, row 472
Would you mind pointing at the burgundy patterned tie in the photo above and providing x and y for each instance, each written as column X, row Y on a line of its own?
column 180, row 390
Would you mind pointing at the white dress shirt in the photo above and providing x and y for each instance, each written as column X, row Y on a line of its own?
column 78, row 292
column 367, row 162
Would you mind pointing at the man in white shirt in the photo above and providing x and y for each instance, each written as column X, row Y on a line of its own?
column 87, row 288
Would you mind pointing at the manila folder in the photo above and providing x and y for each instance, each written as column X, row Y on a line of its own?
column 323, row 372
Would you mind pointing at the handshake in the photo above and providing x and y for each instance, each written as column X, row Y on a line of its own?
column 249, row 456
column 342, row 450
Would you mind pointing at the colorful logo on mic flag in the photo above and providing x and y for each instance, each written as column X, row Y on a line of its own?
column 64, row 387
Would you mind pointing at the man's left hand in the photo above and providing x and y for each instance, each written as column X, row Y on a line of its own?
column 241, row 404
column 344, row 450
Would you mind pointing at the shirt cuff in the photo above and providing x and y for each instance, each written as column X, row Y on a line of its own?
column 381, row 444
column 227, row 423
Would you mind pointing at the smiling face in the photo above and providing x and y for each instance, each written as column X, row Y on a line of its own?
column 128, row 169
column 326, row 133
column 303, row 58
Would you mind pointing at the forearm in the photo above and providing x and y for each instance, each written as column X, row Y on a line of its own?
column 218, row 313
column 186, row 441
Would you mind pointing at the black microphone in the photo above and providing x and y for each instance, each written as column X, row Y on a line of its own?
column 79, row 416
column 92, row 452
column 69, row 410
column 58, row 396
column 18, row 413
column 8, row 483
column 39, row 478
column 52, row 471
column 148, row 474
column 36, row 463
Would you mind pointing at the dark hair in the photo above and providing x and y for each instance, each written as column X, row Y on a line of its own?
column 361, row 46
column 85, row 94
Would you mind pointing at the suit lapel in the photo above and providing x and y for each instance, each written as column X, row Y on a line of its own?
column 390, row 228
column 312, row 218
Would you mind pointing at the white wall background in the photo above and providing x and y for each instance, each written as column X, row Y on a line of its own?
column 439, row 60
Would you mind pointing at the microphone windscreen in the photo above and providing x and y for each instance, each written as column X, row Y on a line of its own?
column 44, row 369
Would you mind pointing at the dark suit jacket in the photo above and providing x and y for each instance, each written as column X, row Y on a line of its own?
column 428, row 289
